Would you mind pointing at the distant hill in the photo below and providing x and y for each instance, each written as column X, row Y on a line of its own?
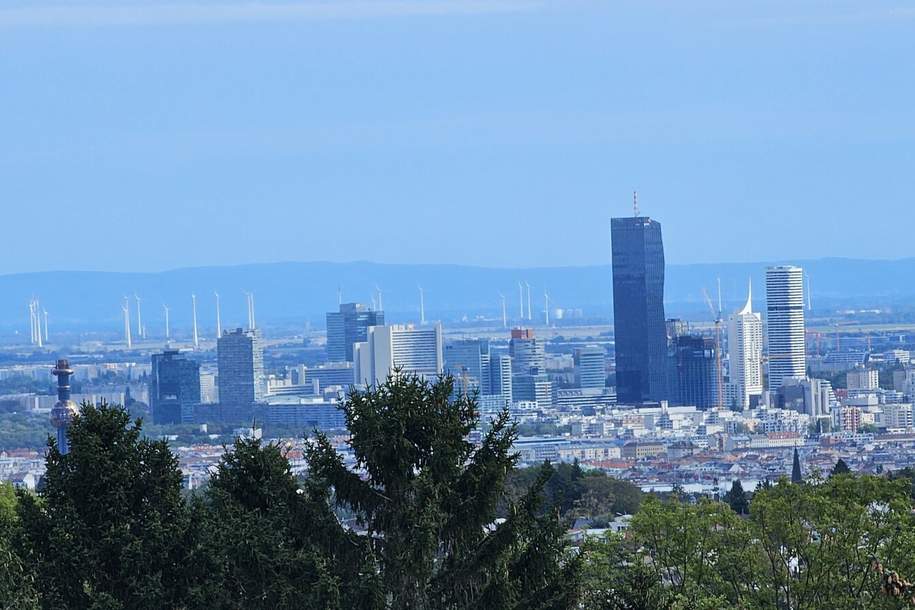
column 298, row 292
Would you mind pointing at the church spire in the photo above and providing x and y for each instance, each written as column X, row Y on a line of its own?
column 796, row 469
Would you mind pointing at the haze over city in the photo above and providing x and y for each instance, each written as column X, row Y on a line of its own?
column 457, row 305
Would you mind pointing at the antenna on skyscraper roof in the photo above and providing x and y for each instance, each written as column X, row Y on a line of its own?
column 635, row 204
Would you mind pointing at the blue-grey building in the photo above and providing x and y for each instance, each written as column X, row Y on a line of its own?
column 240, row 358
column 348, row 326
column 174, row 388
column 469, row 359
column 591, row 366
column 694, row 367
column 638, row 309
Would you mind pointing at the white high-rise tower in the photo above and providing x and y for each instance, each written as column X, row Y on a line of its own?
column 785, row 324
column 745, row 344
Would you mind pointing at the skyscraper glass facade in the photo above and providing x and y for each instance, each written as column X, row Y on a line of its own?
column 638, row 310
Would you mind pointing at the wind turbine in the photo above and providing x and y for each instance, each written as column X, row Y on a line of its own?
column 546, row 307
column 529, row 317
column 126, row 309
column 218, row 318
column 194, row 312
column 422, row 306
column 139, row 317
column 504, row 316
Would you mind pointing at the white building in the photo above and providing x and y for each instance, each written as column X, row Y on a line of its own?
column 785, row 321
column 745, row 343
column 862, row 379
column 412, row 350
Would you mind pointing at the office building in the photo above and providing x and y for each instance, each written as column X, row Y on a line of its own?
column 174, row 388
column 412, row 350
column 696, row 372
column 468, row 361
column 500, row 377
column 785, row 324
column 347, row 327
column 240, row 359
column 533, row 386
column 638, row 309
column 591, row 367
column 526, row 351
column 745, row 345
column 814, row 397
column 861, row 379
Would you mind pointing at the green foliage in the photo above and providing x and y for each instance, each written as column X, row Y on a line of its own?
column 840, row 468
column 108, row 527
column 846, row 542
column 24, row 431
column 428, row 500
column 575, row 492
column 272, row 543
column 737, row 498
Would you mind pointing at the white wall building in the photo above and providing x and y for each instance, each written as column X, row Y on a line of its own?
column 413, row 350
column 745, row 344
column 785, row 324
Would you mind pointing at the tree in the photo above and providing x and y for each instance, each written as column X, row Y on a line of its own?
column 17, row 580
column 737, row 498
column 428, row 500
column 841, row 468
column 272, row 542
column 108, row 530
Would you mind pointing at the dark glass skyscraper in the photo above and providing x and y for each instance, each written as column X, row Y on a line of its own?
column 174, row 387
column 347, row 327
column 638, row 309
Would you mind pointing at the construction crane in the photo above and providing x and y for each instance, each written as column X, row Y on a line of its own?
column 719, row 401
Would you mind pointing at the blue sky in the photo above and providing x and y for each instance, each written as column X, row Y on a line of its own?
column 151, row 135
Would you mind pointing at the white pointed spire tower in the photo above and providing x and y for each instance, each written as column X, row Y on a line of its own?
column 745, row 343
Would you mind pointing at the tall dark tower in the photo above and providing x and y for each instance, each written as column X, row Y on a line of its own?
column 638, row 309
column 65, row 409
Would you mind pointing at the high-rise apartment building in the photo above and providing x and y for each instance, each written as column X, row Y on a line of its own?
column 745, row 345
column 638, row 310
column 347, row 327
column 785, row 324
column 174, row 388
column 240, row 358
column 412, row 350
column 591, row 367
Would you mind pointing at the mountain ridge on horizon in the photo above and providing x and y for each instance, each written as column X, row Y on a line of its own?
column 306, row 290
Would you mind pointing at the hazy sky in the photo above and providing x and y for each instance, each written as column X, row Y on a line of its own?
column 148, row 135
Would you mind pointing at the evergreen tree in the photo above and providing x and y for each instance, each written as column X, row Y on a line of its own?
column 273, row 543
column 737, row 498
column 108, row 529
column 840, row 468
column 428, row 499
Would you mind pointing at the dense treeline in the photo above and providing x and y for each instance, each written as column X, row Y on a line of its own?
column 110, row 528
